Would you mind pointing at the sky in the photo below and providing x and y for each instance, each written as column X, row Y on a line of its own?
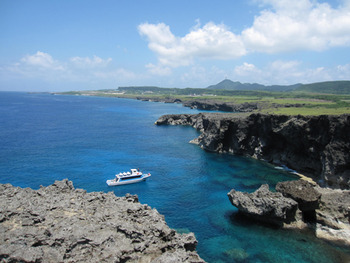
column 62, row 45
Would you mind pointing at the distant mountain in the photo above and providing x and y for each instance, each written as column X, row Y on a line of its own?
column 330, row 87
column 236, row 85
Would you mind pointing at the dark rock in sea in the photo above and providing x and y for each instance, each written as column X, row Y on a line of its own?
column 265, row 205
column 61, row 224
column 301, row 191
column 317, row 146
column 326, row 211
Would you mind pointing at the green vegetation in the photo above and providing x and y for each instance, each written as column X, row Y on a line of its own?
column 331, row 97
column 236, row 85
column 328, row 87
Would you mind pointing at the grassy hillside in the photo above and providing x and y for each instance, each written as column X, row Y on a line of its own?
column 236, row 85
column 328, row 87
column 311, row 99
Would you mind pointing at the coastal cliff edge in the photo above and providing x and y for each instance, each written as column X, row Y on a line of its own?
column 59, row 223
column 316, row 146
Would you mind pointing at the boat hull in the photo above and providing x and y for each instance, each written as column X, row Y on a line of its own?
column 127, row 181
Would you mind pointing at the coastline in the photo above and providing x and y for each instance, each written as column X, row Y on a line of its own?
column 59, row 223
column 272, row 138
column 238, row 109
column 177, row 131
column 258, row 101
column 306, row 178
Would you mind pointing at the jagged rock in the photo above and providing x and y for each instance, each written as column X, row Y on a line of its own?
column 317, row 146
column 265, row 205
column 61, row 224
column 333, row 215
column 301, row 191
column 326, row 211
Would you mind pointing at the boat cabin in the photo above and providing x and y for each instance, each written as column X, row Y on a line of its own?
column 135, row 173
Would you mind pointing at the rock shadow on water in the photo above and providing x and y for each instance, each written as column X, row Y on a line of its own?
column 226, row 248
column 238, row 218
column 283, row 245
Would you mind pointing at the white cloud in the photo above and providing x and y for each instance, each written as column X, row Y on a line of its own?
column 209, row 42
column 287, row 72
column 298, row 25
column 42, row 60
column 89, row 72
column 283, row 66
column 158, row 70
column 281, row 26
column 246, row 69
column 343, row 71
column 157, row 34
column 200, row 76
column 115, row 74
column 86, row 62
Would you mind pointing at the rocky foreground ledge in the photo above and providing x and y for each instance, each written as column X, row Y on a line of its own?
column 61, row 224
column 316, row 146
column 299, row 204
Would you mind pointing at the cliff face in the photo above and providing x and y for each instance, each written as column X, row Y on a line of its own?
column 317, row 146
column 215, row 106
column 61, row 224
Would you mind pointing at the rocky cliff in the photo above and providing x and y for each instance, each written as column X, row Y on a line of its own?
column 299, row 204
column 317, row 146
column 61, row 224
column 220, row 106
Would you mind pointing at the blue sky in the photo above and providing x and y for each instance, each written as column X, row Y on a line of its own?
column 76, row 45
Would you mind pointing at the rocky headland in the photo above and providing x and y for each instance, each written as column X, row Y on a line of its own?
column 59, row 223
column 316, row 146
column 299, row 204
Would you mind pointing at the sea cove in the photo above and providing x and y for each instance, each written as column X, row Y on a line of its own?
column 88, row 139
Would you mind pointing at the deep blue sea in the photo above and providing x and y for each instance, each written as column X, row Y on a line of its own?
column 44, row 138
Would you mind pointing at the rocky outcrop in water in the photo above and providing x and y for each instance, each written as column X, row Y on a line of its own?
column 317, row 146
column 299, row 204
column 61, row 224
column 264, row 205
column 301, row 191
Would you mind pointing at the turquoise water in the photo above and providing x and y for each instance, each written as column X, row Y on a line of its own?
column 44, row 138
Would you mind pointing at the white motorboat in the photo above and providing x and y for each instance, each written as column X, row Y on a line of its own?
column 134, row 176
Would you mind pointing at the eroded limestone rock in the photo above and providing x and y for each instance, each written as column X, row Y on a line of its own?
column 317, row 146
column 265, row 205
column 61, row 224
column 326, row 211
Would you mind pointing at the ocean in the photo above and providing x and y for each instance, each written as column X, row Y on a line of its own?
column 88, row 140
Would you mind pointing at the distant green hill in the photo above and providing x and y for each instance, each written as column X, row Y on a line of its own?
column 228, row 87
column 236, row 85
column 329, row 87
